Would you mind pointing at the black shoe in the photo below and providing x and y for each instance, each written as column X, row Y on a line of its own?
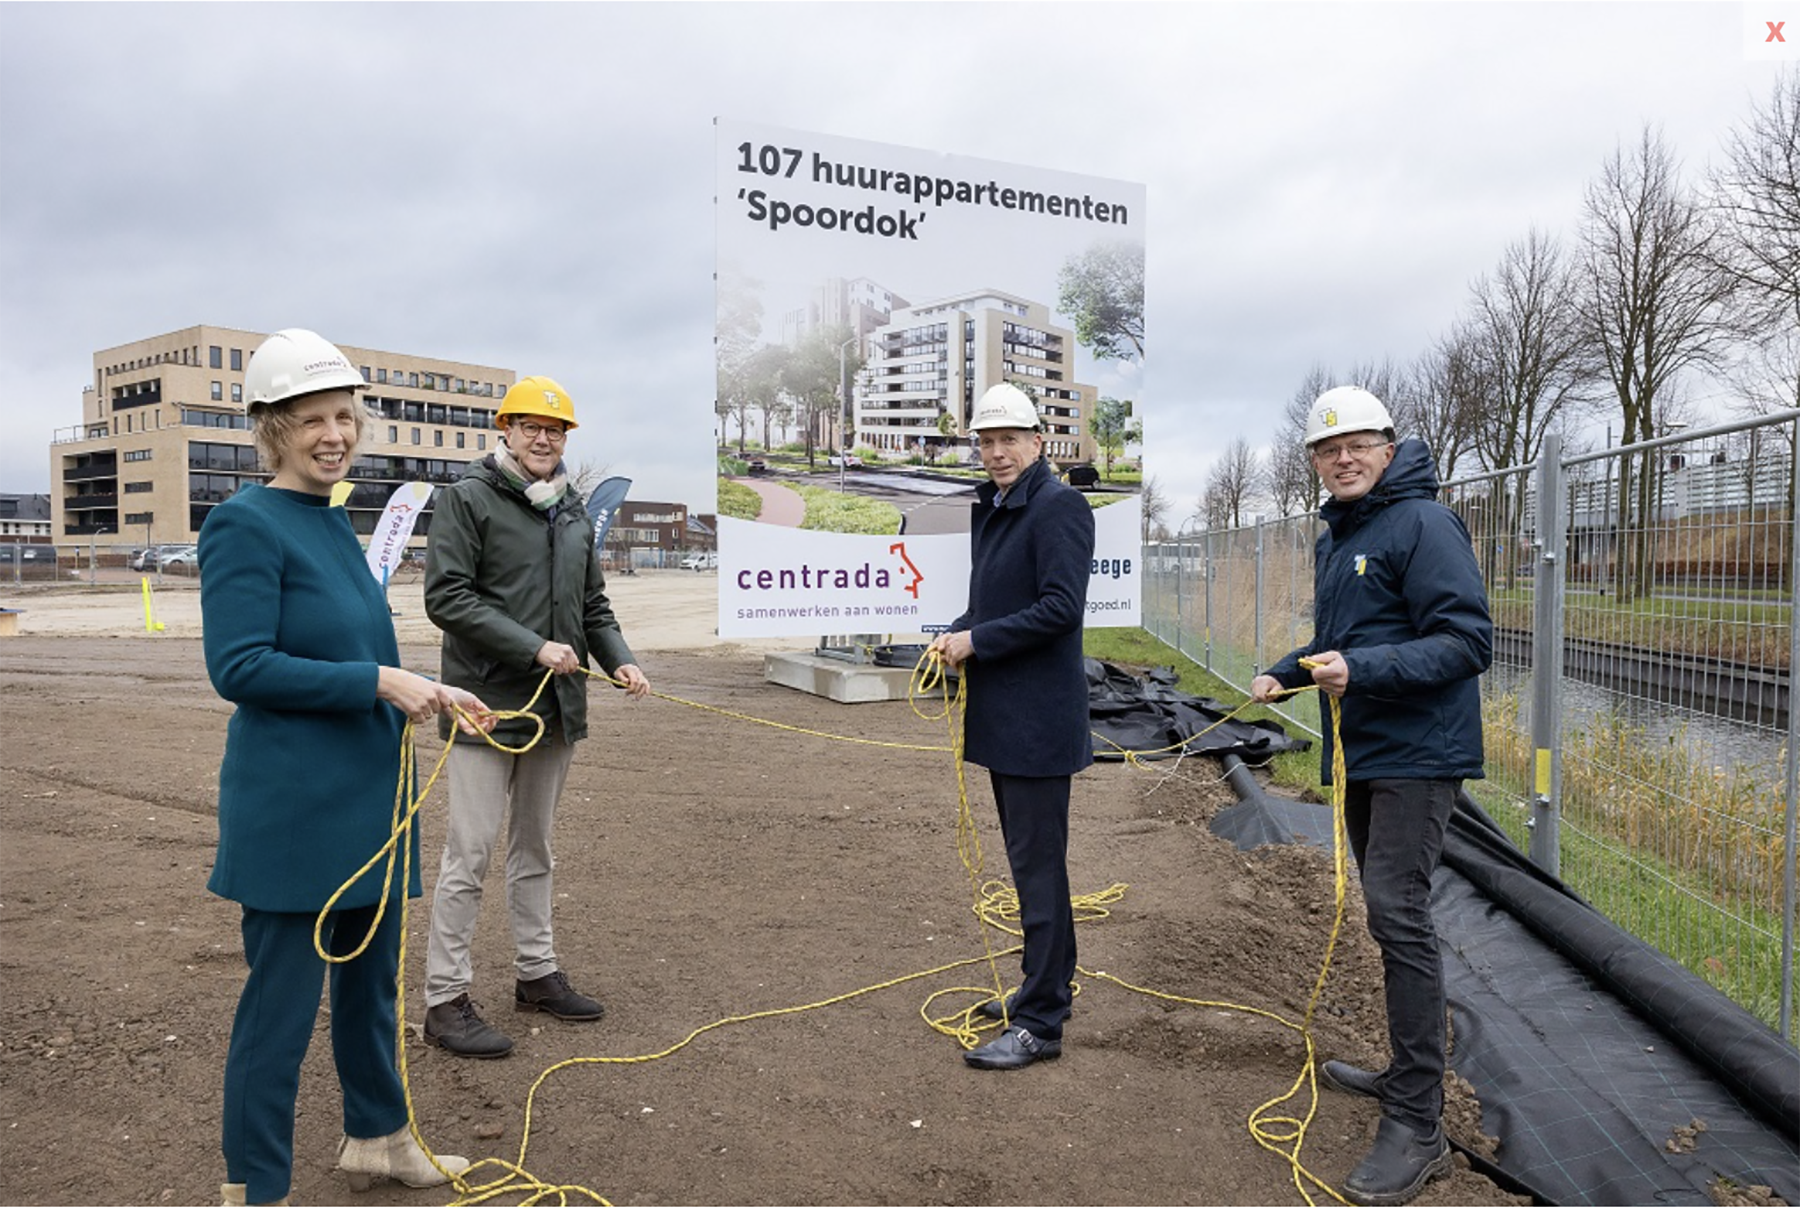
column 991, row 1009
column 552, row 993
column 1354, row 1080
column 1400, row 1164
column 459, row 1028
column 1014, row 1048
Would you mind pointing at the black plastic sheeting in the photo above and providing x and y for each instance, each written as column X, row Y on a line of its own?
column 1150, row 715
column 1593, row 1055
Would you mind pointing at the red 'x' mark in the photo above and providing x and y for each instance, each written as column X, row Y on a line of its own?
column 1774, row 31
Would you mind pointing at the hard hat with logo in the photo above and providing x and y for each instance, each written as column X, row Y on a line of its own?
column 1346, row 409
column 1004, row 405
column 295, row 362
column 536, row 396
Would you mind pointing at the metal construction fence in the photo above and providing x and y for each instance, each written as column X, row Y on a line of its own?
column 1641, row 742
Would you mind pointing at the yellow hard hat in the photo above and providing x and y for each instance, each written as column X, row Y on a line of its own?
column 536, row 396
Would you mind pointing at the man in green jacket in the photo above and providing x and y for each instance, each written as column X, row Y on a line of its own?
column 513, row 581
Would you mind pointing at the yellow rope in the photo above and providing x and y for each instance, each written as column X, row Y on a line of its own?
column 995, row 906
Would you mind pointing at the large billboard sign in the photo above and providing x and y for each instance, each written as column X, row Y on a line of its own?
column 867, row 295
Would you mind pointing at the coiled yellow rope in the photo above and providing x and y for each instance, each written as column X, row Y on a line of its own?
column 995, row 905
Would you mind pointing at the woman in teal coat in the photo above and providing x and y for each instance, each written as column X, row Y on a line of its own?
column 298, row 637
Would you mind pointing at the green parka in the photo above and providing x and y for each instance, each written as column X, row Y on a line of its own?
column 502, row 579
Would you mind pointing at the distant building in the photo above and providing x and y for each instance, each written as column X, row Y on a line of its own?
column 25, row 518
column 647, row 533
column 936, row 359
column 856, row 303
column 164, row 437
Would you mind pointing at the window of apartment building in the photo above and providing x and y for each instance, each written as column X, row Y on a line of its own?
column 237, row 360
column 412, row 378
column 136, row 455
column 481, row 440
column 237, row 392
column 415, row 436
column 381, row 376
column 437, row 437
column 215, row 357
column 393, row 434
column 139, row 518
column 218, row 392
column 138, row 488
column 460, row 440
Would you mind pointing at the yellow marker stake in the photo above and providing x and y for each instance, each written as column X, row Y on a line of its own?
column 151, row 625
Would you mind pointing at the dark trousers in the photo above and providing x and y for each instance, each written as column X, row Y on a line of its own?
column 1034, row 821
column 1396, row 830
column 274, row 1026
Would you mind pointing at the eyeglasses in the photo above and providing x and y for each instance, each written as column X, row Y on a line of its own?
column 1359, row 449
column 532, row 432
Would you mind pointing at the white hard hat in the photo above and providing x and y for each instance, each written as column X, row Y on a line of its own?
column 1003, row 405
column 295, row 362
column 1346, row 409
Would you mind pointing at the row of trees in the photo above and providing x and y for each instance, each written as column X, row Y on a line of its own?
column 1667, row 282
column 799, row 387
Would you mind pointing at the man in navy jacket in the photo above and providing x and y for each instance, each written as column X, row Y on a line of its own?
column 1400, row 635
column 1031, row 546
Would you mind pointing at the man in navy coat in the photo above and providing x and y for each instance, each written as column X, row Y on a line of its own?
column 1400, row 634
column 1031, row 545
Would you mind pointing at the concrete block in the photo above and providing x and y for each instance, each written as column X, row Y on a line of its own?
column 837, row 679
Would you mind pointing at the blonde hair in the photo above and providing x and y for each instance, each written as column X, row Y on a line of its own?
column 273, row 426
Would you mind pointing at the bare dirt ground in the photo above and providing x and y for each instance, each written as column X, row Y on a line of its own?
column 707, row 868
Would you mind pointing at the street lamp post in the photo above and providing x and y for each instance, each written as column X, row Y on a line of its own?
column 843, row 414
column 93, row 575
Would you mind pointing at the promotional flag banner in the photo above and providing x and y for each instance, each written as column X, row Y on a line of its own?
column 603, row 505
column 867, row 296
column 396, row 525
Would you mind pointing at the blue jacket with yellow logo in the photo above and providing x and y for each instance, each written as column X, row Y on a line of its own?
column 1397, row 591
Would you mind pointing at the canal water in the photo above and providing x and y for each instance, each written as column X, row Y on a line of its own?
column 1708, row 738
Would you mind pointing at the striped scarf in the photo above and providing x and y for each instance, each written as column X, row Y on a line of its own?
column 542, row 494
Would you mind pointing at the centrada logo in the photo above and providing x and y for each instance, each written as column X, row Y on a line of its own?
column 816, row 577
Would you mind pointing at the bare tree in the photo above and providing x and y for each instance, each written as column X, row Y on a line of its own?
column 1380, row 378
column 586, row 476
column 1526, row 348
column 1442, row 402
column 738, row 320
column 1232, row 483
column 1757, row 195
column 1292, row 479
column 1154, row 503
column 1655, row 304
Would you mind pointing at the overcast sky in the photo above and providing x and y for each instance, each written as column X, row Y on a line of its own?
column 532, row 186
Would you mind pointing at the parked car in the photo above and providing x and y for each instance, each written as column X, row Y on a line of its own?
column 758, row 466
column 849, row 461
column 25, row 553
column 186, row 560
column 700, row 560
column 1083, row 478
